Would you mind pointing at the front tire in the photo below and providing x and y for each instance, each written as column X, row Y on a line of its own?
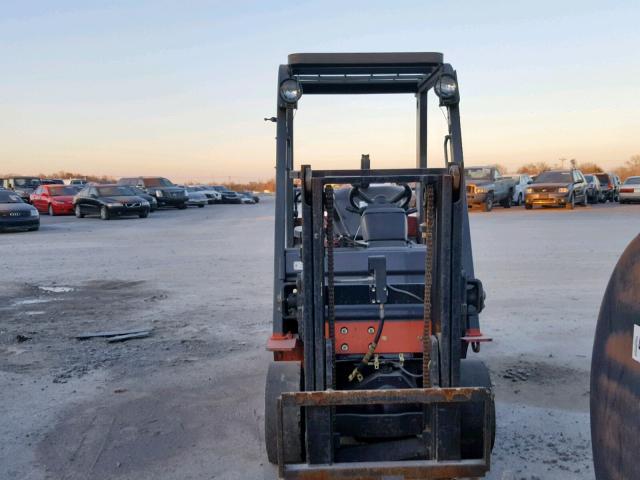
column 104, row 213
column 488, row 203
column 144, row 214
column 79, row 213
column 182, row 206
column 474, row 373
column 571, row 204
column 283, row 377
column 200, row 206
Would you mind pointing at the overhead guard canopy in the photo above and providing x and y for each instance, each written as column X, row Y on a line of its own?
column 348, row 73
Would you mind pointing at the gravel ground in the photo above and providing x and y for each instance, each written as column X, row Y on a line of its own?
column 186, row 402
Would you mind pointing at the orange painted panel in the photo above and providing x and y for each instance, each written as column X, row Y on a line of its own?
column 398, row 336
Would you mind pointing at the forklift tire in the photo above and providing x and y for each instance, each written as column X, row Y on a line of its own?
column 474, row 373
column 283, row 377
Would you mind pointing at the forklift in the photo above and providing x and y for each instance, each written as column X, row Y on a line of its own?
column 375, row 299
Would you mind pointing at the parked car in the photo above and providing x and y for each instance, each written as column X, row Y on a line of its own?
column 15, row 214
column 256, row 198
column 245, row 199
column 153, row 203
column 165, row 192
column 77, row 181
column 486, row 187
column 228, row 196
column 23, row 186
column 610, row 186
column 630, row 190
column 213, row 196
column 560, row 188
column 109, row 201
column 51, row 181
column 54, row 199
column 522, row 181
column 196, row 197
column 594, row 189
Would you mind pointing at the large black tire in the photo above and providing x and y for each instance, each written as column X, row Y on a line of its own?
column 283, row 377
column 615, row 373
column 144, row 214
column 104, row 213
column 182, row 206
column 487, row 206
column 474, row 373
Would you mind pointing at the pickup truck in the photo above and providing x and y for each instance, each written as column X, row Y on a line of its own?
column 486, row 187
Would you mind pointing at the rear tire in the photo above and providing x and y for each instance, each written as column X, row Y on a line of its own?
column 104, row 213
column 283, row 377
column 474, row 373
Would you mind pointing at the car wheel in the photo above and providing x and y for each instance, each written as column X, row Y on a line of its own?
column 104, row 213
column 200, row 206
column 528, row 206
column 182, row 206
column 79, row 213
column 144, row 214
column 507, row 202
column 571, row 204
column 488, row 203
column 51, row 212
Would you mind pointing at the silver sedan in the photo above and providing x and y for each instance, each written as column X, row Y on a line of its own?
column 630, row 190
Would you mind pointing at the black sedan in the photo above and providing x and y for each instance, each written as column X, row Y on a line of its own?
column 109, row 201
column 15, row 214
column 153, row 203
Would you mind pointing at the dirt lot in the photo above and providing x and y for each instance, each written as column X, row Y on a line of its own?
column 186, row 403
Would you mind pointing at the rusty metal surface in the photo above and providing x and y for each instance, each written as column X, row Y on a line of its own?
column 615, row 374
column 387, row 397
column 410, row 470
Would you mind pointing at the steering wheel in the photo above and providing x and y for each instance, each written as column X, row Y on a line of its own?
column 405, row 196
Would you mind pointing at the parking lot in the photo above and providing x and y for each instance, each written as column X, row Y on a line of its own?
column 187, row 402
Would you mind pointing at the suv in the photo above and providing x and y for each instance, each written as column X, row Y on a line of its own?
column 23, row 186
column 163, row 190
column 610, row 184
column 228, row 196
column 558, row 188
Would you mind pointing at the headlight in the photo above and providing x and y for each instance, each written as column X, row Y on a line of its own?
column 563, row 190
column 529, row 190
column 159, row 193
column 144, row 203
column 290, row 91
column 481, row 190
column 34, row 213
column 446, row 88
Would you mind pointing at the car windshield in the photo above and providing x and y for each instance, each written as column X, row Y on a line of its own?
column 26, row 182
column 9, row 197
column 553, row 177
column 157, row 182
column 632, row 181
column 478, row 173
column 114, row 191
column 60, row 191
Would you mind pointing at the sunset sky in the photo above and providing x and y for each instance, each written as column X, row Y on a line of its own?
column 180, row 89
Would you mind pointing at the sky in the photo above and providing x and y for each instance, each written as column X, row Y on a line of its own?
column 180, row 88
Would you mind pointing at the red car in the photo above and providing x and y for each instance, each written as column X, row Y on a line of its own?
column 54, row 199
